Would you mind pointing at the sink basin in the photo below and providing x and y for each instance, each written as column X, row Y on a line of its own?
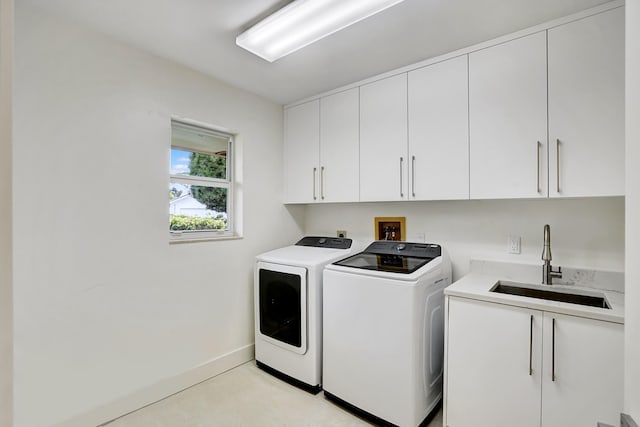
column 511, row 288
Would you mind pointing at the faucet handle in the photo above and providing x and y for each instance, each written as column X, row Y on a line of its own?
column 546, row 246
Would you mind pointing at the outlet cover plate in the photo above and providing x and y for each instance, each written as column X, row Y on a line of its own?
column 513, row 245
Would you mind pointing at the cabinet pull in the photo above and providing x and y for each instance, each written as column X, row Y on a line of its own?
column 322, row 182
column 413, row 176
column 557, row 165
column 315, row 170
column 553, row 349
column 401, row 164
column 531, row 346
column 538, row 144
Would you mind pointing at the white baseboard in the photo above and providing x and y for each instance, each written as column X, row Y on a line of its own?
column 161, row 389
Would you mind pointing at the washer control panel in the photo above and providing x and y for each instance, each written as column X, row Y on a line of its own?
column 418, row 250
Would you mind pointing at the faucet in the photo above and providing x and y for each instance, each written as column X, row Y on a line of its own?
column 547, row 270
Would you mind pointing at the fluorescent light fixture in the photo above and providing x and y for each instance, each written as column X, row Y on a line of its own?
column 303, row 22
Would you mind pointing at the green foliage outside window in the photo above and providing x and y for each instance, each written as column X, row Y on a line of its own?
column 191, row 223
column 211, row 166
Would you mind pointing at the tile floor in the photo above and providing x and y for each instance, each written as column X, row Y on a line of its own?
column 244, row 396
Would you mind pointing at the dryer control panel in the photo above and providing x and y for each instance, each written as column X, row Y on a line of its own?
column 325, row 242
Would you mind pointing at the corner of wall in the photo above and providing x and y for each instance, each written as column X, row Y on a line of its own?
column 632, row 214
column 6, row 246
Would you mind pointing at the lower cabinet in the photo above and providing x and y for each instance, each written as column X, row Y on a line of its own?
column 493, row 365
column 508, row 366
column 582, row 371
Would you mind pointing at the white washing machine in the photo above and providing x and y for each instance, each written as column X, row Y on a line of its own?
column 383, row 330
column 288, row 308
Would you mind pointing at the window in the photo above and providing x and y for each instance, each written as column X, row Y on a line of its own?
column 200, row 182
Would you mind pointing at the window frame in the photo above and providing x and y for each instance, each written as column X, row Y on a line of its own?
column 228, row 183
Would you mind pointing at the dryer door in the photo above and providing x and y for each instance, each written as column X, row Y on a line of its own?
column 281, row 305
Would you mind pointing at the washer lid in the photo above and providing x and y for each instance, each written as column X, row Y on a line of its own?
column 393, row 257
column 304, row 255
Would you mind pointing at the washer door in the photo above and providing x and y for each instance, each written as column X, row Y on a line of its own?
column 281, row 305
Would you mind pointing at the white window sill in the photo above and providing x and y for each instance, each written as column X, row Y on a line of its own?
column 195, row 239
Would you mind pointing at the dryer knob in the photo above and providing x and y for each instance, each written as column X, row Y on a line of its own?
column 401, row 247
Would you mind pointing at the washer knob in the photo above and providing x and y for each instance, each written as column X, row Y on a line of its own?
column 401, row 247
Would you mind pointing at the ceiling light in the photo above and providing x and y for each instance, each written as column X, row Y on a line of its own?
column 303, row 22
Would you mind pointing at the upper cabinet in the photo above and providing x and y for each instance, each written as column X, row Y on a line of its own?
column 508, row 119
column 383, row 140
column 586, row 106
column 321, row 150
column 439, row 131
column 301, row 152
column 414, row 135
column 339, row 141
column 534, row 115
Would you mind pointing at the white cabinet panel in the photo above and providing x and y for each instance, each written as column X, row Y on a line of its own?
column 586, row 106
column 586, row 357
column 339, row 147
column 301, row 149
column 490, row 350
column 383, row 140
column 439, row 131
column 537, row 116
column 576, row 366
column 508, row 119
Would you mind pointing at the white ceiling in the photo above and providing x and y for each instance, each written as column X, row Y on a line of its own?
column 201, row 34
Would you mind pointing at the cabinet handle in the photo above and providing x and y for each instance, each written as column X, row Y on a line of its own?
column 401, row 164
column 413, row 176
column 322, row 182
column 531, row 346
column 553, row 349
column 315, row 170
column 557, row 165
column 538, row 144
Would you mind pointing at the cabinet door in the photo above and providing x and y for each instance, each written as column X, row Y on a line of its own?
column 301, row 141
column 439, row 131
column 586, row 106
column 339, row 147
column 493, row 365
column 583, row 371
column 508, row 119
column 383, row 140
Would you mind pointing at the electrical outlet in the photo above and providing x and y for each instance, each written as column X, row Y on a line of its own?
column 341, row 233
column 513, row 244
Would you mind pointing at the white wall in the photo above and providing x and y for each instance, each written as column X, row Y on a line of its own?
column 632, row 290
column 584, row 232
column 6, row 301
column 105, row 307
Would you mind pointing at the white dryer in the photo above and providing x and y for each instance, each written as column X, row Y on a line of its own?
column 288, row 308
column 383, row 330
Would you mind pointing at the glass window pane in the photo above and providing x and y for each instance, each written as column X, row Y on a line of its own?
column 195, row 207
column 192, row 163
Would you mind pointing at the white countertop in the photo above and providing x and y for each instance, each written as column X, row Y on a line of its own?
column 484, row 276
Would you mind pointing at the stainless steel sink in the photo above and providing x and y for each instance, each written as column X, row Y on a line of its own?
column 531, row 291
